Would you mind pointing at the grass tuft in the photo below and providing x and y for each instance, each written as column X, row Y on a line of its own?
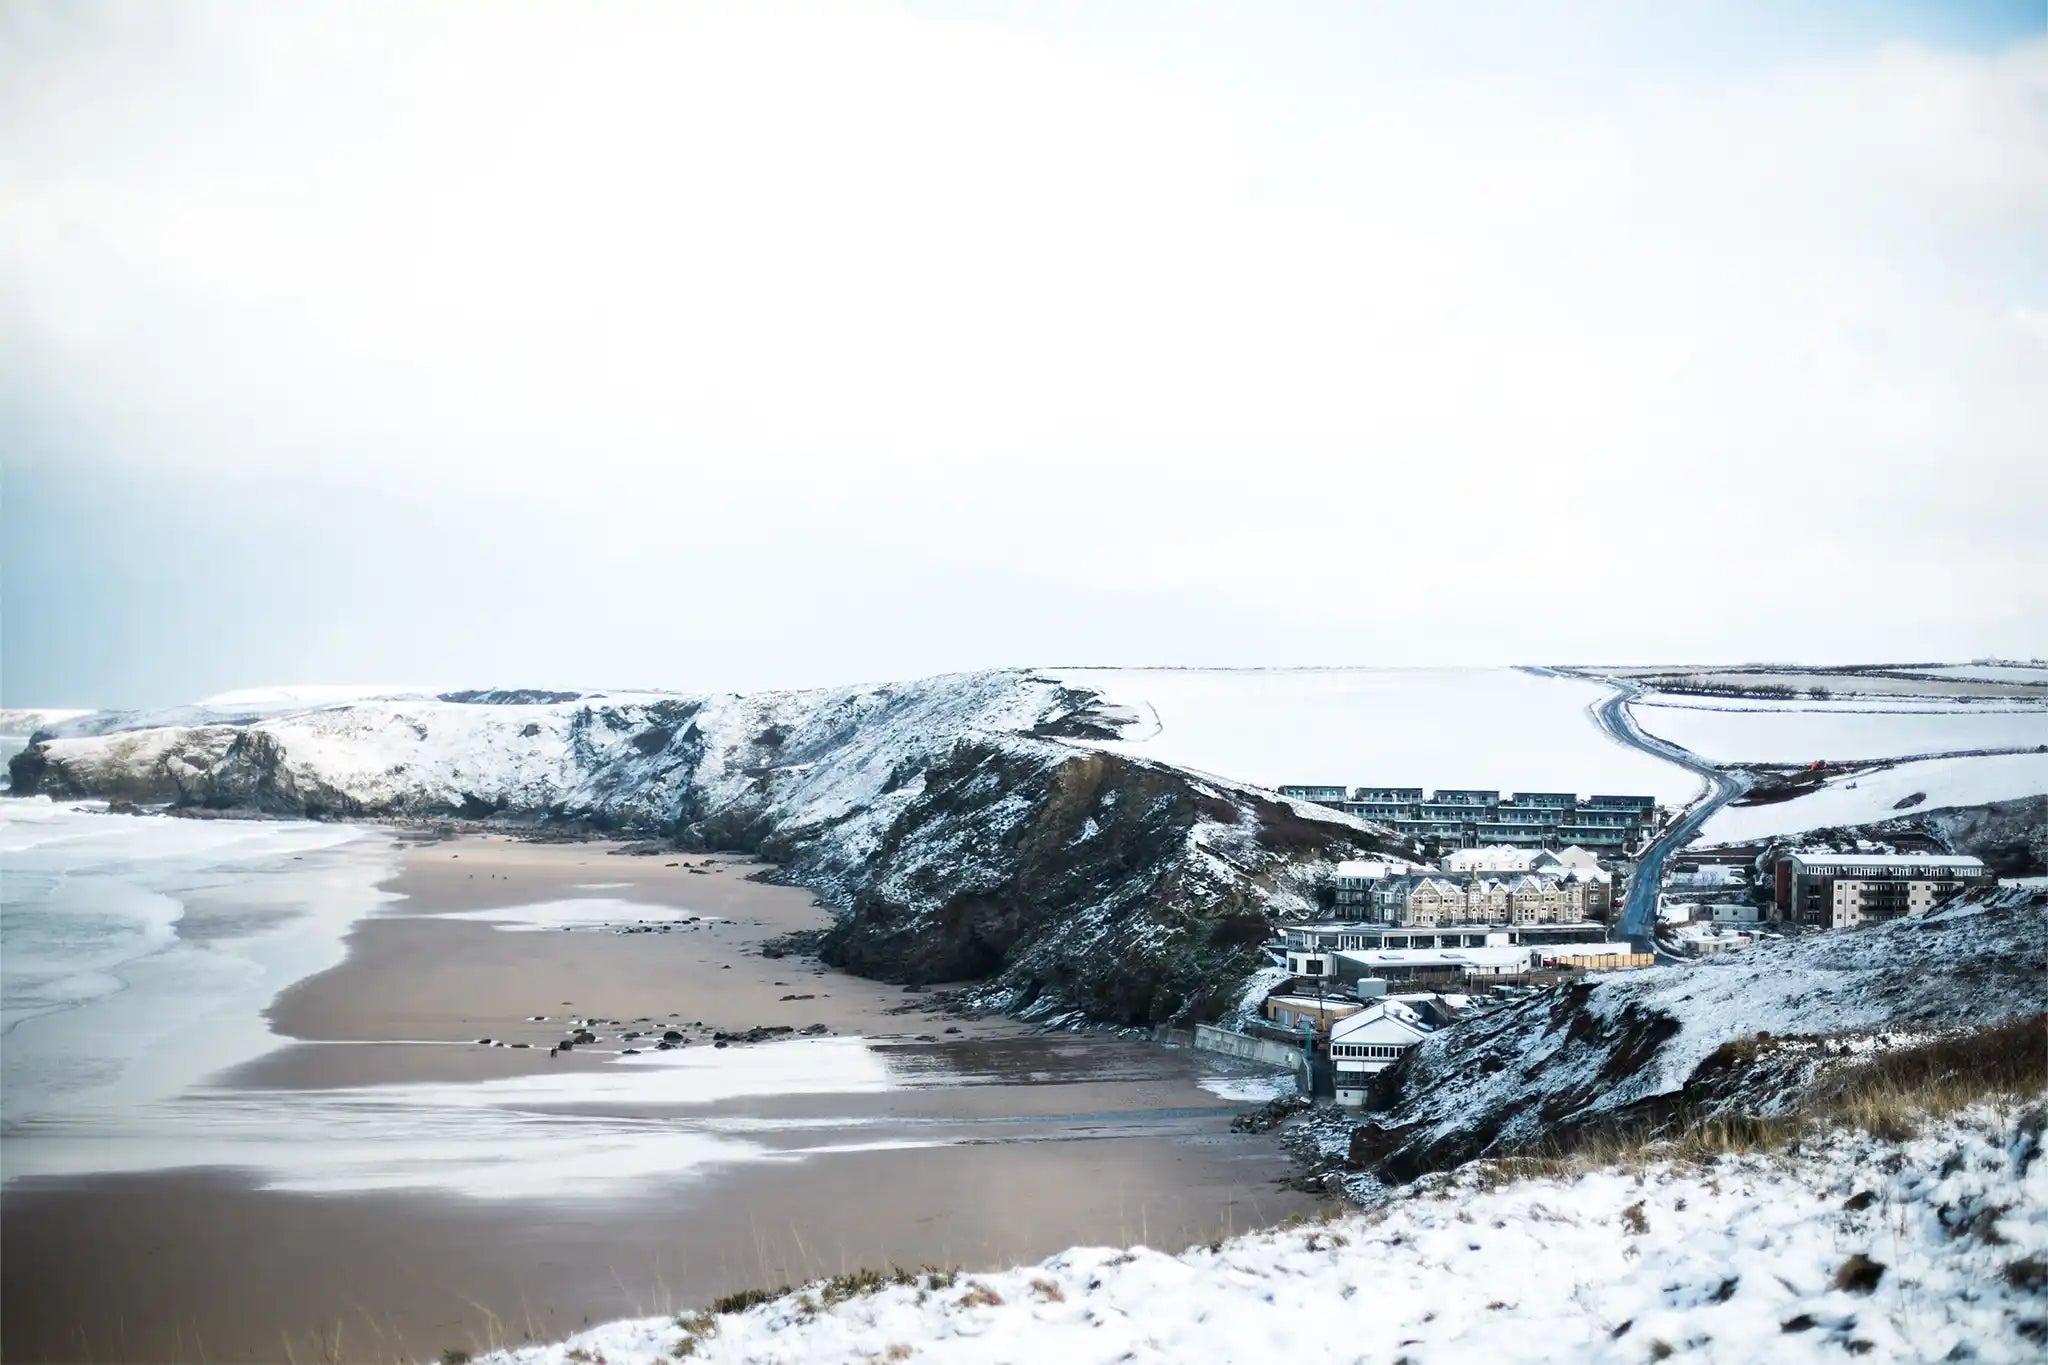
column 747, row 1298
column 2029, row 1273
column 1859, row 1274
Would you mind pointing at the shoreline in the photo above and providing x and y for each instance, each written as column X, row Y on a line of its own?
column 438, row 1189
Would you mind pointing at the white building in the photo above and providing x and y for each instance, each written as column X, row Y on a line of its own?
column 1736, row 912
column 1395, row 964
column 1491, row 858
column 1707, row 940
column 1368, row 1043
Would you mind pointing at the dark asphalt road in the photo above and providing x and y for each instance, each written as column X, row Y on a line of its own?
column 1639, row 914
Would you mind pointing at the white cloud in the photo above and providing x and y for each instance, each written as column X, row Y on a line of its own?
column 1137, row 326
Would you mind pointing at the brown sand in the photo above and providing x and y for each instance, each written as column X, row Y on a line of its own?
column 1057, row 1140
column 416, row 978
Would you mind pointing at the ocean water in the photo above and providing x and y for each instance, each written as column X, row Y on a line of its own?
column 137, row 954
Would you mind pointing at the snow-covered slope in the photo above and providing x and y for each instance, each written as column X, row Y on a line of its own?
column 1927, row 1249
column 1862, row 798
column 968, row 824
column 26, row 721
column 1628, row 1046
column 1428, row 727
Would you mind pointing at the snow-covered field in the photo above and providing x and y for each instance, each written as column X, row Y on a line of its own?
column 1450, row 727
column 1741, row 1259
column 2010, row 672
column 1801, row 733
column 1862, row 798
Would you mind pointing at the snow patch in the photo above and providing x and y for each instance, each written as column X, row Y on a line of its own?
column 1740, row 1260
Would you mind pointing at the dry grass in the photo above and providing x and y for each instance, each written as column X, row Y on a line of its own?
column 2029, row 1273
column 747, row 1298
column 1889, row 1096
column 1859, row 1274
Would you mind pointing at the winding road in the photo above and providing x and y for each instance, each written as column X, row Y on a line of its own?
column 1639, row 913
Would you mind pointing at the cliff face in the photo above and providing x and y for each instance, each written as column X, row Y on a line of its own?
column 963, row 827
column 1084, row 881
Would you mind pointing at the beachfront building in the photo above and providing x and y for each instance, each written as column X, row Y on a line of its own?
column 1368, row 1043
column 1408, row 964
column 1841, row 890
column 1298, row 1011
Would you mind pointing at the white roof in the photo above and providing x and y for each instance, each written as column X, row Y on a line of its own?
column 1878, row 860
column 1574, row 856
column 1447, row 957
column 1585, row 874
column 1583, row 949
column 1309, row 1002
column 1389, row 1021
column 1488, row 853
column 1709, row 933
column 1371, row 871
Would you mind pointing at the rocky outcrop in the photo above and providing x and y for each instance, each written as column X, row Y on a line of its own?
column 967, row 828
column 1084, row 881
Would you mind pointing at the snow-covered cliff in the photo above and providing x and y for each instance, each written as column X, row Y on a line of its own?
column 1750, row 1033
column 969, row 825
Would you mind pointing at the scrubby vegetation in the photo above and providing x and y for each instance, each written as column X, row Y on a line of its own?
column 1891, row 1097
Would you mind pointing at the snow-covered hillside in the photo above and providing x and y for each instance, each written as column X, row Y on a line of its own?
column 1429, row 727
column 1603, row 1051
column 1862, row 798
column 1850, row 1247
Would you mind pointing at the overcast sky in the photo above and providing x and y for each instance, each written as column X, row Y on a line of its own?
column 715, row 346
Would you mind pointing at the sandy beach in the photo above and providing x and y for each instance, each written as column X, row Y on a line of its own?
column 432, row 1192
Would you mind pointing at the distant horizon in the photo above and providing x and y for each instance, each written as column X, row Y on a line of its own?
column 227, row 696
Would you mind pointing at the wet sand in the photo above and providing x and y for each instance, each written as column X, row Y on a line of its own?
column 1025, row 1144
column 412, row 977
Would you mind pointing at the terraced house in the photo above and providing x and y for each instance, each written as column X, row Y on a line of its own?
column 1426, row 900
